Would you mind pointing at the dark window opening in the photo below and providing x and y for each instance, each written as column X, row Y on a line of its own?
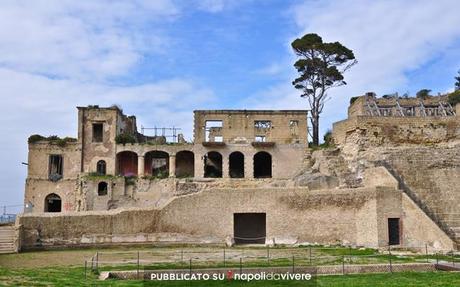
column 55, row 167
column 98, row 131
column 102, row 188
column 185, row 164
column 157, row 164
column 262, row 165
column 393, row 231
column 213, row 164
column 249, row 228
column 53, row 203
column 236, row 165
column 127, row 163
column 101, row 167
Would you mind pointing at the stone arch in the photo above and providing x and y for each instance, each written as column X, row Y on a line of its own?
column 127, row 163
column 156, row 163
column 185, row 164
column 213, row 164
column 53, row 203
column 236, row 164
column 101, row 167
column 102, row 188
column 262, row 165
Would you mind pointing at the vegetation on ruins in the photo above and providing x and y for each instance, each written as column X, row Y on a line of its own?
column 454, row 98
column 423, row 94
column 321, row 67
column 51, row 139
column 125, row 138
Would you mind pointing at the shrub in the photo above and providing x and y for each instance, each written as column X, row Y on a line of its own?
column 454, row 98
column 125, row 138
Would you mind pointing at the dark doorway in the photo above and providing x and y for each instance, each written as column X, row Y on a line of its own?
column 185, row 164
column 236, row 165
column 213, row 164
column 102, row 188
column 262, row 165
column 249, row 228
column 53, row 203
column 393, row 231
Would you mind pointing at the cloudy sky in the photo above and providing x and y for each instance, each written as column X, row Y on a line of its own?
column 161, row 59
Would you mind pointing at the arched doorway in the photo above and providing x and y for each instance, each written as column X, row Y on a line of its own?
column 213, row 164
column 53, row 203
column 236, row 165
column 127, row 163
column 157, row 164
column 262, row 165
column 185, row 164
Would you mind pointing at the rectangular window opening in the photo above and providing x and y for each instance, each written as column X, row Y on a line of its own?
column 213, row 131
column 262, row 124
column 55, row 167
column 98, row 131
column 260, row 139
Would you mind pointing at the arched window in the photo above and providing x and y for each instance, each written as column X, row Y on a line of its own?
column 53, row 203
column 185, row 164
column 102, row 188
column 213, row 164
column 236, row 165
column 262, row 165
column 101, row 167
column 156, row 163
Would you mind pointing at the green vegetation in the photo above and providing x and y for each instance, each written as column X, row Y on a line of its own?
column 125, row 138
column 51, row 139
column 454, row 98
column 75, row 276
column 97, row 176
column 423, row 94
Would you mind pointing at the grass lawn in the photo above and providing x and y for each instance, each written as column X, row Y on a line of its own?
column 74, row 276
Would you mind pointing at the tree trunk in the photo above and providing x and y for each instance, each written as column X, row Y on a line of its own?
column 315, row 126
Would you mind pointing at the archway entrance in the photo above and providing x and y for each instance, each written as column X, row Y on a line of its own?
column 236, row 165
column 185, row 164
column 127, row 163
column 53, row 203
column 157, row 164
column 262, row 165
column 213, row 164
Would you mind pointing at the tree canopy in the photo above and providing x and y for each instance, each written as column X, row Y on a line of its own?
column 320, row 66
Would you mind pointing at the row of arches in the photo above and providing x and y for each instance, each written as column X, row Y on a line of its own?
column 157, row 163
column 262, row 165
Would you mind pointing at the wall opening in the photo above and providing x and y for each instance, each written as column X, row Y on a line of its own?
column 249, row 228
column 393, row 231
column 262, row 165
column 127, row 163
column 98, row 132
column 101, row 167
column 185, row 164
column 102, row 188
column 213, row 164
column 53, row 203
column 213, row 131
column 157, row 164
column 236, row 165
column 55, row 170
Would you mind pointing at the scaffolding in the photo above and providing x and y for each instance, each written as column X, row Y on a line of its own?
column 171, row 134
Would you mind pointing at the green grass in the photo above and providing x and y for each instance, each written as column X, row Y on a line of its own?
column 74, row 276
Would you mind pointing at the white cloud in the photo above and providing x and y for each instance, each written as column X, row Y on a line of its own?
column 79, row 39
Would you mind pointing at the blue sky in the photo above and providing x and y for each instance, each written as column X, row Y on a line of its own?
column 161, row 59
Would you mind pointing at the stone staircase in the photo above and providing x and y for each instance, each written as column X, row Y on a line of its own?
column 7, row 237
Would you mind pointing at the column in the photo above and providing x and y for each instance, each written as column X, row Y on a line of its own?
column 172, row 165
column 225, row 167
column 249, row 166
column 140, row 165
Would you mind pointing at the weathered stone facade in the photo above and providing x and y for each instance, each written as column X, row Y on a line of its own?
column 374, row 189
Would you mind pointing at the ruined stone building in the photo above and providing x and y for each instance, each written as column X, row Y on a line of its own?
column 249, row 176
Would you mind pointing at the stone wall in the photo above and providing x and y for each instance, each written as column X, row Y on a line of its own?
column 293, row 215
